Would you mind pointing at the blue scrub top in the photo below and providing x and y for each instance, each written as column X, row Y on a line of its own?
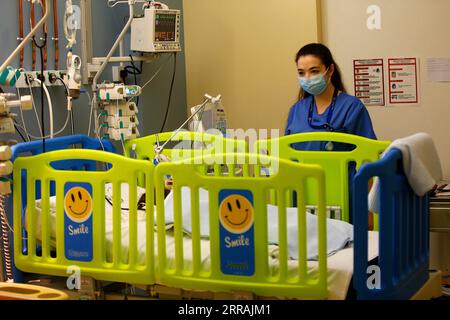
column 349, row 116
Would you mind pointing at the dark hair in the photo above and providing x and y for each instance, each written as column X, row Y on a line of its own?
column 324, row 54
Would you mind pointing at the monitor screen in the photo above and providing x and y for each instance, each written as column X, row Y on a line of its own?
column 165, row 27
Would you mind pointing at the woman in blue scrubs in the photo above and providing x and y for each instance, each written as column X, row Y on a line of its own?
column 325, row 106
column 323, row 103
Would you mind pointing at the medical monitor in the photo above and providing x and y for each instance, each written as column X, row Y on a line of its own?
column 158, row 30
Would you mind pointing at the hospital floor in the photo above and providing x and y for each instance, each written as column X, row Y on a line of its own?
column 436, row 287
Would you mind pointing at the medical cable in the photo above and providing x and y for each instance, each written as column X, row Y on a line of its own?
column 40, row 47
column 50, row 107
column 159, row 149
column 97, row 132
column 34, row 106
column 5, row 239
column 37, row 116
column 69, row 104
column 113, row 3
column 21, row 111
column 72, row 123
column 123, row 146
column 170, row 91
column 48, row 136
column 135, row 73
column 197, row 125
column 152, row 78
column 91, row 113
column 20, row 133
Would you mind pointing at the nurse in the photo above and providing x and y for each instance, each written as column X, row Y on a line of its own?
column 323, row 103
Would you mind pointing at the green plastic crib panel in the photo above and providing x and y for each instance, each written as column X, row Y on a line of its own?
column 334, row 163
column 188, row 145
column 107, row 261
column 190, row 268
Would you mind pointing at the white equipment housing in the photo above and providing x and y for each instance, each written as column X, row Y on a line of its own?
column 212, row 117
column 73, row 77
column 112, row 91
column 157, row 31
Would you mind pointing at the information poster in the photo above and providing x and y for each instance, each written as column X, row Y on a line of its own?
column 438, row 69
column 403, row 81
column 369, row 81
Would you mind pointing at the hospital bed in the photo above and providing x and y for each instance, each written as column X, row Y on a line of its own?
column 128, row 248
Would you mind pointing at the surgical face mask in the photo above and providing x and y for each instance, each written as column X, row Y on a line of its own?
column 314, row 85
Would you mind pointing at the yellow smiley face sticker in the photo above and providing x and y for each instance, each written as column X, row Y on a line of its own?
column 78, row 204
column 236, row 214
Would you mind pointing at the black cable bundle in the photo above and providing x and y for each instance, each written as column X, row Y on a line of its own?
column 42, row 79
column 135, row 71
column 171, row 91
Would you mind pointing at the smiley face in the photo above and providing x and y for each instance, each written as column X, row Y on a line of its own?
column 236, row 214
column 78, row 204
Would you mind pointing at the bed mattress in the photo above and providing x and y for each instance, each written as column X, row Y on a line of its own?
column 340, row 264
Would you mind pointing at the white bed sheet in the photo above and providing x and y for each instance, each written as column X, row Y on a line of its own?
column 340, row 265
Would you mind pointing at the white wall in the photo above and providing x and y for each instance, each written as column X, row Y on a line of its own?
column 245, row 50
column 409, row 28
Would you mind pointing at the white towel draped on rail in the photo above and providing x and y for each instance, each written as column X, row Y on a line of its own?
column 421, row 165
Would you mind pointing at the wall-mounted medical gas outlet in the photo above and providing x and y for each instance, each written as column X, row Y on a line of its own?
column 50, row 78
column 7, row 125
column 6, row 103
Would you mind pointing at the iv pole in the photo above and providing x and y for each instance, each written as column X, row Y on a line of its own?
column 208, row 98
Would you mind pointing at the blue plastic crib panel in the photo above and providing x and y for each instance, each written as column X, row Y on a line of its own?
column 80, row 141
column 403, row 258
column 61, row 143
column 35, row 148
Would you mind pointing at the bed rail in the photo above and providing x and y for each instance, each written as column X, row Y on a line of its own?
column 188, row 145
column 247, row 190
column 404, row 233
column 80, row 235
column 335, row 163
column 60, row 143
